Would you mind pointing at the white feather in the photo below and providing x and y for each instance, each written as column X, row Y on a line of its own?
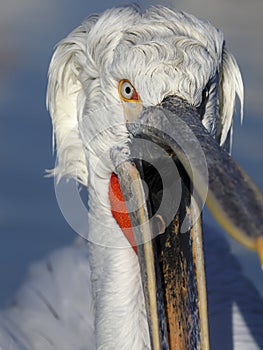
column 160, row 51
column 54, row 308
column 231, row 85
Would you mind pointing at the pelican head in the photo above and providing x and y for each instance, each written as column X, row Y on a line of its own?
column 142, row 106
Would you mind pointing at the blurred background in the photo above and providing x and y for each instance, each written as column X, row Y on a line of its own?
column 31, row 224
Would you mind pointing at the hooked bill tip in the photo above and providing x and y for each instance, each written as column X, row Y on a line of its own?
column 259, row 248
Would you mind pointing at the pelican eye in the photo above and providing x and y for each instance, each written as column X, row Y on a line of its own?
column 127, row 92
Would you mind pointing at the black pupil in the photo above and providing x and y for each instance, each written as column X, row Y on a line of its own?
column 128, row 90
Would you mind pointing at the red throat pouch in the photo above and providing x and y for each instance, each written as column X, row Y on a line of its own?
column 119, row 210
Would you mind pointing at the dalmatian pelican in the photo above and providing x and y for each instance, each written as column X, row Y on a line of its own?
column 142, row 105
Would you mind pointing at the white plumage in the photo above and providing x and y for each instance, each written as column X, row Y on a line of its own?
column 90, row 296
column 54, row 308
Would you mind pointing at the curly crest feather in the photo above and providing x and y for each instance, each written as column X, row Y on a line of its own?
column 161, row 51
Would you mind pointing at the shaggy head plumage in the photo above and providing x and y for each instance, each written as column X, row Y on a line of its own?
column 162, row 52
